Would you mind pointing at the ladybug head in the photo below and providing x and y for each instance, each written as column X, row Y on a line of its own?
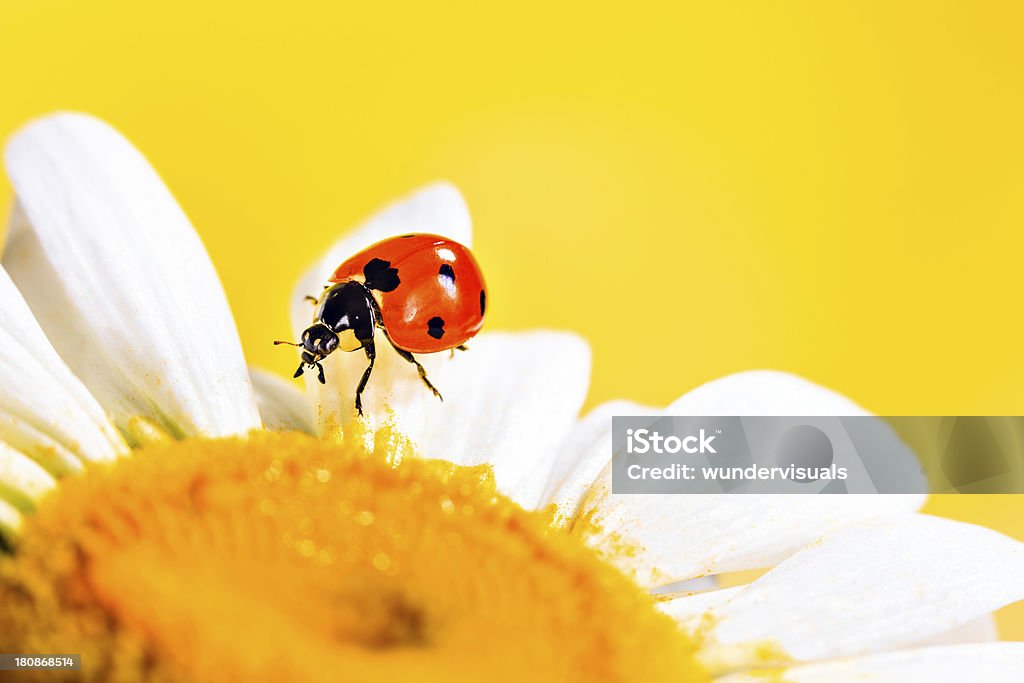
column 318, row 341
column 344, row 320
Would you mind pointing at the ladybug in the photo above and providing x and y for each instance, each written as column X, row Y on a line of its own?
column 424, row 292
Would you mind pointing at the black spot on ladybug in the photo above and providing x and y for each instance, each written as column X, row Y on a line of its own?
column 483, row 301
column 435, row 327
column 447, row 271
column 381, row 276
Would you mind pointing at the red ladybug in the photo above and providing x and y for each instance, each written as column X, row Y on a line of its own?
column 425, row 292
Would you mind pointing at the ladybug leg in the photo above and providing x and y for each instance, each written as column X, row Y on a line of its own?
column 411, row 359
column 371, row 354
column 460, row 347
column 419, row 368
column 320, row 373
column 298, row 373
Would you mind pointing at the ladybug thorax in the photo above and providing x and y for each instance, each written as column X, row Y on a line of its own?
column 349, row 310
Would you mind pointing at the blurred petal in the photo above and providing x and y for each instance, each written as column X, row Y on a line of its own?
column 10, row 524
column 22, row 481
column 660, row 538
column 120, row 282
column 508, row 401
column 282, row 405
column 45, row 412
column 875, row 587
column 984, row 663
column 583, row 455
column 436, row 208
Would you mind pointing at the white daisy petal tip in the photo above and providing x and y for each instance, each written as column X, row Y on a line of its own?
column 11, row 522
column 880, row 585
column 763, row 392
column 23, row 482
column 120, row 281
column 981, row 630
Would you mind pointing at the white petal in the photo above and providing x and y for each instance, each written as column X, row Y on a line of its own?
column 22, row 481
column 583, row 455
column 45, row 412
column 691, row 612
column 438, row 209
column 675, row 537
column 979, row 663
column 282, row 405
column 763, row 392
column 879, row 586
column 121, row 283
column 508, row 401
column 11, row 522
column 688, row 587
column 980, row 630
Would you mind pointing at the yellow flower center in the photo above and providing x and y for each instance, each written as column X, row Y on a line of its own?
column 278, row 557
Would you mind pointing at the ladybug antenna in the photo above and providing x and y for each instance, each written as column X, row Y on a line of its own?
column 279, row 342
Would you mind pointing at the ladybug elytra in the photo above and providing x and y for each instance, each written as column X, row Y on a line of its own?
column 424, row 292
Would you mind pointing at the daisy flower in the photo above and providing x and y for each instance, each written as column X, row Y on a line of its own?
column 173, row 517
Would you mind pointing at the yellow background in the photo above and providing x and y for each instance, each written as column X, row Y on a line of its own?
column 833, row 189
